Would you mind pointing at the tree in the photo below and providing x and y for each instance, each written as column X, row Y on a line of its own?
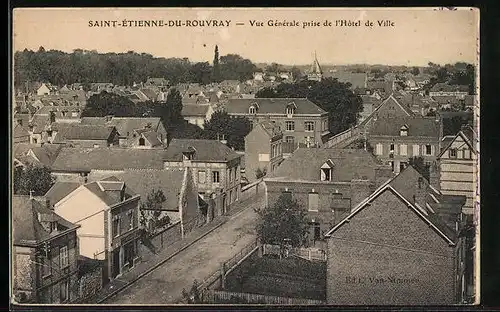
column 234, row 129
column 235, row 67
column 171, row 111
column 453, row 125
column 283, row 223
column 415, row 71
column 296, row 73
column 37, row 180
column 273, row 69
column 104, row 103
column 201, row 72
column 151, row 213
column 329, row 94
column 193, row 296
column 216, row 67
column 418, row 164
column 260, row 173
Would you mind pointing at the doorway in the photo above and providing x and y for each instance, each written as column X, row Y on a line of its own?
column 115, row 268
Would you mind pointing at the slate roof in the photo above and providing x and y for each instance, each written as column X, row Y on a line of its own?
column 144, row 181
column 124, row 125
column 45, row 154
column 61, row 189
column 206, row 150
column 26, row 228
column 152, row 137
column 75, row 131
column 199, row 110
column 97, row 190
column 305, row 164
column 151, row 94
column 107, row 158
column 19, row 131
column 357, row 80
column 417, row 126
column 273, row 106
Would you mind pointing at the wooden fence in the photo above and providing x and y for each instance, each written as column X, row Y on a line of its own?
column 306, row 253
column 217, row 296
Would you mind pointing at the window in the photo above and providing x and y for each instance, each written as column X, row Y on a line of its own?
column 467, row 154
column 313, row 201
column 252, row 110
column 308, row 141
column 63, row 257
column 215, row 177
column 74, row 114
column 326, row 170
column 325, row 125
column 403, row 149
column 379, row 149
column 96, row 145
column 289, row 139
column 64, row 293
column 309, row 125
column 416, row 150
column 130, row 215
column 230, row 174
column 116, row 226
column 290, row 110
column 453, row 153
column 202, row 176
column 142, row 142
column 392, row 148
column 403, row 131
column 428, row 149
column 290, row 126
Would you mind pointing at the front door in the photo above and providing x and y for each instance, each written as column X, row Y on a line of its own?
column 116, row 263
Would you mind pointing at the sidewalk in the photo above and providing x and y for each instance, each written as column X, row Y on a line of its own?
column 143, row 268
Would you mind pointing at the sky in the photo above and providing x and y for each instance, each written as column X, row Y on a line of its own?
column 418, row 35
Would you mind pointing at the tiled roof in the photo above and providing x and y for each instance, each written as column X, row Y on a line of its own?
column 109, row 158
column 124, row 125
column 199, row 110
column 417, row 126
column 445, row 87
column 152, row 137
column 19, row 131
column 26, row 228
column 273, row 106
column 46, row 154
column 61, row 189
column 76, row 131
column 144, row 181
column 104, row 196
column 151, row 94
column 305, row 164
column 404, row 186
column 206, row 150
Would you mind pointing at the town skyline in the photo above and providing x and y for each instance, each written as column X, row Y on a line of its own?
column 413, row 41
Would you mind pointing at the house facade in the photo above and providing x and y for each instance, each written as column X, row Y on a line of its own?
column 109, row 220
column 44, row 255
column 328, row 183
column 216, row 167
column 301, row 121
column 196, row 114
column 263, row 149
column 458, row 167
column 395, row 248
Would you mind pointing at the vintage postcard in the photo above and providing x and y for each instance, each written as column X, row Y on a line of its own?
column 275, row 156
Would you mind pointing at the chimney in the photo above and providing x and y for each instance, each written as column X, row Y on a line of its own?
column 47, row 204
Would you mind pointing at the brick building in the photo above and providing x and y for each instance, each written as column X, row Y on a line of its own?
column 326, row 182
column 44, row 254
column 399, row 246
column 301, row 120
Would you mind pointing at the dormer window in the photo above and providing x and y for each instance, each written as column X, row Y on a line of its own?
column 327, row 170
column 252, row 110
column 403, row 131
column 290, row 109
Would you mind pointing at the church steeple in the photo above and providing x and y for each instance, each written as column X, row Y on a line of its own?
column 316, row 73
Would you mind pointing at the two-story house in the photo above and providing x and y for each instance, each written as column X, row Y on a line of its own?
column 399, row 246
column 216, row 167
column 197, row 114
column 263, row 149
column 328, row 183
column 301, row 120
column 44, row 254
column 446, row 89
column 108, row 215
column 458, row 166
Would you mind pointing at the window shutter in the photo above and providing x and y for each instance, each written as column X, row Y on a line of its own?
column 323, row 175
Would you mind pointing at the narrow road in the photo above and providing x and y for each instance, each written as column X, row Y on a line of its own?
column 164, row 285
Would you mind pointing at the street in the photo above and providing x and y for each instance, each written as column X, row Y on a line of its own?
column 164, row 285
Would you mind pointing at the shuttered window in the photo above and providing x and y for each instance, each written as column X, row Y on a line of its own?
column 313, row 201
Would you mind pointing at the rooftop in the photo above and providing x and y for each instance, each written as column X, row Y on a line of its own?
column 205, row 150
column 273, row 106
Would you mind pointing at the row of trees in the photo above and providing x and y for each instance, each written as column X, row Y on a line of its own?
column 331, row 95
column 170, row 112
column 83, row 66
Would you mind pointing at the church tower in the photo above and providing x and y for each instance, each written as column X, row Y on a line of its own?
column 315, row 74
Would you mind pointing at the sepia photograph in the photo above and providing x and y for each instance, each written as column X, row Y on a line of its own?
column 244, row 156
